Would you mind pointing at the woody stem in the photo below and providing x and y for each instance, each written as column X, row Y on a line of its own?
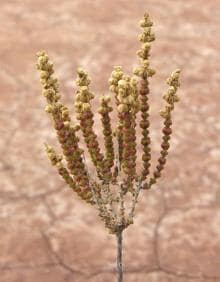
column 119, row 257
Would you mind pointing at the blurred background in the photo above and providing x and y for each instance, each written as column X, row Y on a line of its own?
column 46, row 232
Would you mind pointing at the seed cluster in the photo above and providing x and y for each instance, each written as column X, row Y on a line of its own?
column 145, row 72
column 116, row 76
column 171, row 98
column 56, row 160
column 66, row 133
column 104, row 111
column 126, row 94
column 127, row 109
column 116, row 185
column 85, row 117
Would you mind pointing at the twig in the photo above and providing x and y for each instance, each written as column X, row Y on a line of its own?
column 119, row 257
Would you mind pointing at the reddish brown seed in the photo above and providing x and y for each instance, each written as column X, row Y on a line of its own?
column 162, row 160
column 144, row 99
column 168, row 122
column 144, row 124
column 159, row 167
column 145, row 107
column 145, row 141
column 166, row 138
column 99, row 157
column 147, row 165
column 144, row 113
column 59, row 126
column 145, row 172
column 144, row 91
column 167, row 130
column 146, row 158
column 145, row 132
column 157, row 174
column 165, row 145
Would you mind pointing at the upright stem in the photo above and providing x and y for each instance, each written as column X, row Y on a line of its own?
column 119, row 257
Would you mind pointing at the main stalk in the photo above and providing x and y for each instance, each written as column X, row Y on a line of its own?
column 119, row 257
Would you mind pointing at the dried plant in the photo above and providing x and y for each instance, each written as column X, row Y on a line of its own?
column 115, row 187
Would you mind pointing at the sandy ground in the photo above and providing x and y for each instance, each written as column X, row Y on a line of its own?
column 46, row 233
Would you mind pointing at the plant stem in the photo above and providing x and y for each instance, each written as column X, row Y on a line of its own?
column 119, row 257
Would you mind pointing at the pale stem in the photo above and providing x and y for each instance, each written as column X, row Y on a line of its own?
column 119, row 257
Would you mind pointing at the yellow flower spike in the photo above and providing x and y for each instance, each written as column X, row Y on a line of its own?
column 146, row 21
column 173, row 80
column 83, row 79
column 61, row 119
column 85, row 116
column 170, row 96
column 144, row 72
column 52, row 155
column 116, row 75
column 104, row 110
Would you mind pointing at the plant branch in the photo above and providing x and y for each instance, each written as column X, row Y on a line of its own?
column 119, row 257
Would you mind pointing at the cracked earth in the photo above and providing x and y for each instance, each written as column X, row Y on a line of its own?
column 46, row 233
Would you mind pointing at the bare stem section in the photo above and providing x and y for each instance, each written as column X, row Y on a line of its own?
column 116, row 180
column 119, row 257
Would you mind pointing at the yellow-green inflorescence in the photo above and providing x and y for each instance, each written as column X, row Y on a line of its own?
column 126, row 94
column 66, row 133
column 116, row 76
column 171, row 98
column 85, row 117
column 56, row 160
column 104, row 111
column 145, row 72
column 116, row 175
